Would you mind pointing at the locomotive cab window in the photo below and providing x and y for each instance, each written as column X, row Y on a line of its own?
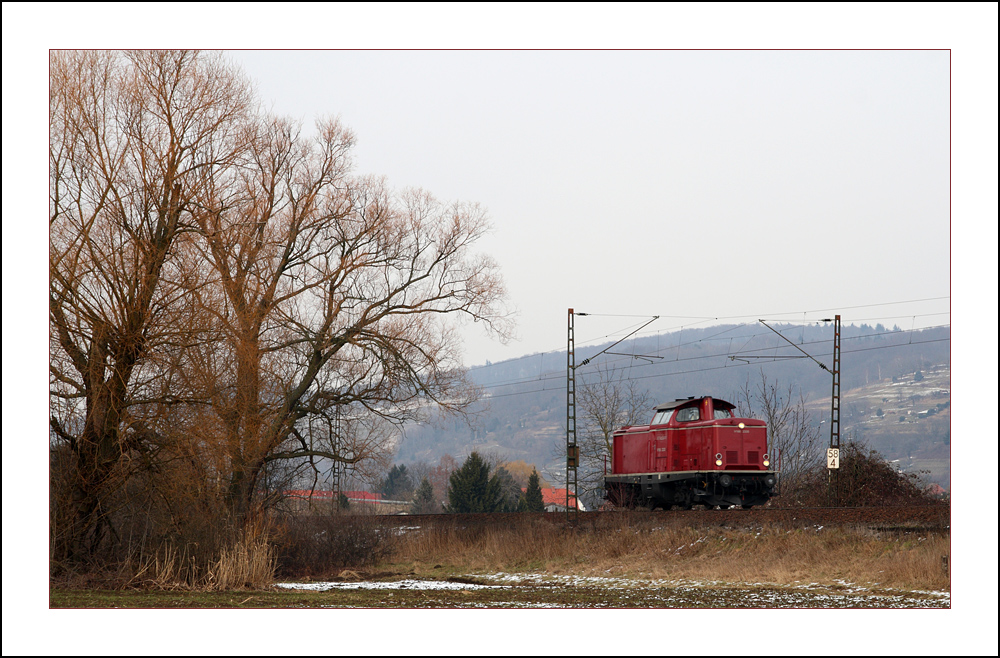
column 722, row 414
column 688, row 414
column 662, row 417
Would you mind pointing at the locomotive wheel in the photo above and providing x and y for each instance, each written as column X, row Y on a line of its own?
column 683, row 499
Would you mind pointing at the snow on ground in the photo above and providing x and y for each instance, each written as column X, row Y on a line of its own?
column 668, row 593
column 396, row 584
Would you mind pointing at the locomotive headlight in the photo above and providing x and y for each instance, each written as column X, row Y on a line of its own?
column 741, row 426
column 767, row 460
column 718, row 459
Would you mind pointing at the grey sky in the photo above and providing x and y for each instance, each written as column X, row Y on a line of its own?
column 702, row 184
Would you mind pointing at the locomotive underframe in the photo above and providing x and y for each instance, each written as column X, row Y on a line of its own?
column 687, row 488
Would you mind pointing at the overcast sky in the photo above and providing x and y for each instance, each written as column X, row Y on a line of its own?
column 694, row 184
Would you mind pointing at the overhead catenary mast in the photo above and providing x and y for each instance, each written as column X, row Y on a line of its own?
column 833, row 452
column 572, row 449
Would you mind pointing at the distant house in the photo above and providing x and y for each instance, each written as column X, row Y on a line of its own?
column 555, row 500
column 374, row 501
column 364, row 497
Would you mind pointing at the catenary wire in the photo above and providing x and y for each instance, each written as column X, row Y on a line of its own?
column 697, row 370
column 553, row 374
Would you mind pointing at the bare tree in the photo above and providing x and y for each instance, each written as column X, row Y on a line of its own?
column 131, row 135
column 439, row 477
column 331, row 292
column 217, row 280
column 606, row 401
column 793, row 437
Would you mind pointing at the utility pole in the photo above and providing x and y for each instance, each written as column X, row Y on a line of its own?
column 572, row 449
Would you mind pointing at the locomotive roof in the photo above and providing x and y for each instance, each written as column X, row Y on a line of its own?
column 719, row 404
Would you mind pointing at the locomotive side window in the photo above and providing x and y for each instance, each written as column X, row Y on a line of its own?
column 688, row 414
column 662, row 417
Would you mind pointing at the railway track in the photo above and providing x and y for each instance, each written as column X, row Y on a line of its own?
column 925, row 518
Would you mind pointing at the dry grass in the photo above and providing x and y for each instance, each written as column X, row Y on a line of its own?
column 624, row 545
column 247, row 563
column 631, row 546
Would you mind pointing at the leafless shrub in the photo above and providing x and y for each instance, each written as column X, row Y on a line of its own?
column 864, row 479
column 317, row 546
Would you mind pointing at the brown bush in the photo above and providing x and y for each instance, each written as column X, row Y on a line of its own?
column 865, row 479
column 163, row 529
column 319, row 546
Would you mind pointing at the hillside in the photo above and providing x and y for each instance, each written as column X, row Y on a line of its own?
column 906, row 418
column 523, row 413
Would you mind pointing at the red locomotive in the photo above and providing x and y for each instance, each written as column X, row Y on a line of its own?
column 694, row 451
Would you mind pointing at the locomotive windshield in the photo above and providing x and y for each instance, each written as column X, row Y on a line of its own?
column 688, row 414
column 721, row 414
column 662, row 417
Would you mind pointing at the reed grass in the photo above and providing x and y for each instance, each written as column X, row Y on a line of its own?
column 248, row 562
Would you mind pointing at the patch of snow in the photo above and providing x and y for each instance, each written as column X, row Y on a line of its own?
column 390, row 585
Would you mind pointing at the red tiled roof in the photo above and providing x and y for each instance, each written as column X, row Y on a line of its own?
column 363, row 495
column 552, row 496
column 556, row 496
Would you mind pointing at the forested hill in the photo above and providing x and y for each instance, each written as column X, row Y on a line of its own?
column 523, row 414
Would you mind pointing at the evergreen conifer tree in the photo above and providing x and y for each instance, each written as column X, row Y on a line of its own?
column 423, row 499
column 472, row 490
column 397, row 484
column 510, row 492
column 533, row 495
